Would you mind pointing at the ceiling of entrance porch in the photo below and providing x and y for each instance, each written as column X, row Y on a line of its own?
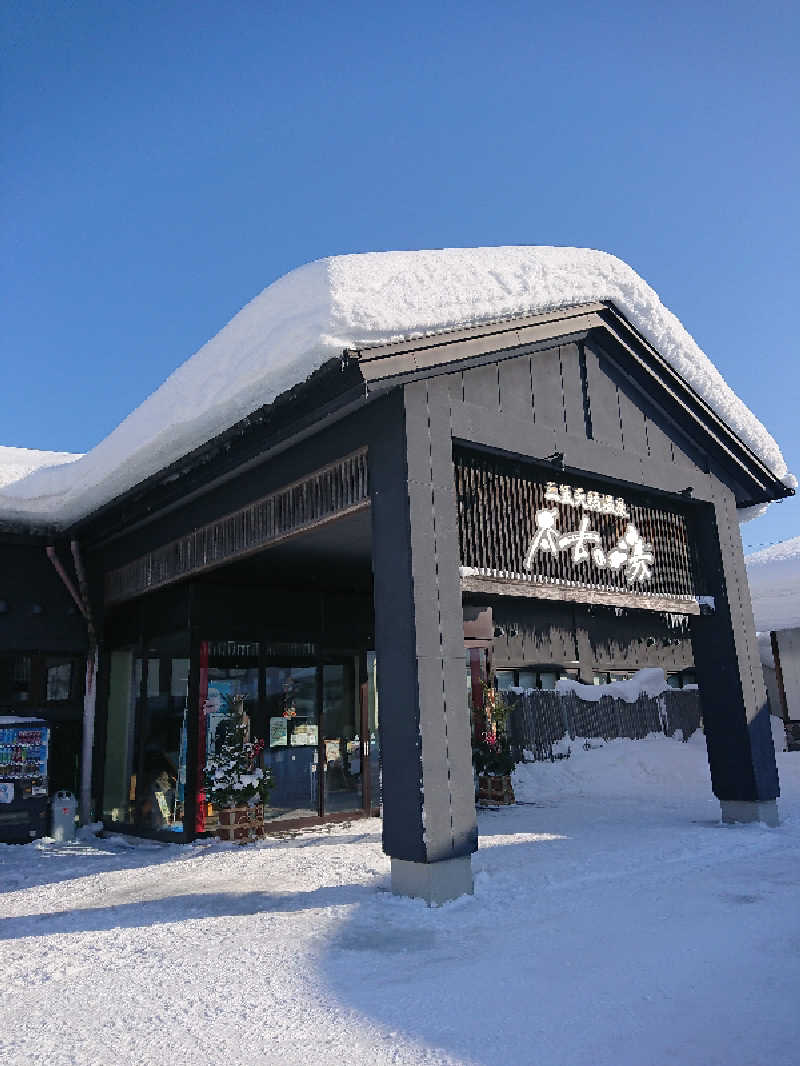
column 335, row 555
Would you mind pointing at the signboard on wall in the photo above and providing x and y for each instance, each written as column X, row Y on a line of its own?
column 547, row 534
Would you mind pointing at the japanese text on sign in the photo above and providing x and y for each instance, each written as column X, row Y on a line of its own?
column 587, row 501
column 631, row 554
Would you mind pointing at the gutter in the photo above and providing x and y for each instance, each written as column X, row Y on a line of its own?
column 81, row 598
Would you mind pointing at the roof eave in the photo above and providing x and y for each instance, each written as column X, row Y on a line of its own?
column 387, row 365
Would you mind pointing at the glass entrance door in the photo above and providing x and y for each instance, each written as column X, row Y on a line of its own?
column 343, row 734
column 291, row 751
column 312, row 713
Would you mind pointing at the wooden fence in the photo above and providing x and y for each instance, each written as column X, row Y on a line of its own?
column 540, row 719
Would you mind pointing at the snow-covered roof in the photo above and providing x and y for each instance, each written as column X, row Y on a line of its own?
column 774, row 577
column 358, row 301
column 17, row 463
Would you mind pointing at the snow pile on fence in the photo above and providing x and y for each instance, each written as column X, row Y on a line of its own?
column 353, row 301
column 649, row 682
column 546, row 723
column 774, row 577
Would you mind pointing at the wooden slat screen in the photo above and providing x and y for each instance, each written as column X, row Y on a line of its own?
column 497, row 505
column 328, row 493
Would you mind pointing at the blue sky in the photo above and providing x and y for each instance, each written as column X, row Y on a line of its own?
column 163, row 162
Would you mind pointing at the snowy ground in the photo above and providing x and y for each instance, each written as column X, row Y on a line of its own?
column 615, row 921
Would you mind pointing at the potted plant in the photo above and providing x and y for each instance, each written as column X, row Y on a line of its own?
column 235, row 785
column 492, row 756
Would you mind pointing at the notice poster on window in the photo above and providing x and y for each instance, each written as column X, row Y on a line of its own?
column 182, row 754
column 163, row 807
column 6, row 791
column 216, row 713
column 278, row 732
column 305, row 734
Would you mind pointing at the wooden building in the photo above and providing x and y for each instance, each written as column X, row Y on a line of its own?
column 42, row 650
column 774, row 578
column 543, row 492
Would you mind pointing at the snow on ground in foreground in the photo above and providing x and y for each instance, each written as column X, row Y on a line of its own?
column 616, row 922
column 354, row 301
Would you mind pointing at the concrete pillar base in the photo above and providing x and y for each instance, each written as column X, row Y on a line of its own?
column 765, row 811
column 435, row 882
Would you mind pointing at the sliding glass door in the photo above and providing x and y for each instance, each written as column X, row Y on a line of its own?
column 291, row 751
column 313, row 726
column 342, row 776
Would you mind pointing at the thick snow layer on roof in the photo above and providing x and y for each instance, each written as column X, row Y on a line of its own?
column 354, row 301
column 17, row 463
column 774, row 577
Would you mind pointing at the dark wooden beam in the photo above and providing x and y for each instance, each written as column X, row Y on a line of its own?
column 500, row 586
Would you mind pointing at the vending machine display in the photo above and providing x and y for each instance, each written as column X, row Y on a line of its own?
column 24, row 747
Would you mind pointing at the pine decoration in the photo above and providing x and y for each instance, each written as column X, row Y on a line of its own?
column 232, row 776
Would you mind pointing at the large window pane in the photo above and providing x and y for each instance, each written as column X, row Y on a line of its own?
column 160, row 721
column 504, row 680
column 15, row 679
column 341, row 722
column 58, row 680
column 228, row 669
column 119, row 783
column 223, row 685
column 145, row 771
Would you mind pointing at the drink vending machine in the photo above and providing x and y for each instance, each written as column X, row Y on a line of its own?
column 24, row 746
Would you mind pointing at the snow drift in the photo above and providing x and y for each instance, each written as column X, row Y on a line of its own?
column 774, row 577
column 17, row 463
column 615, row 922
column 354, row 301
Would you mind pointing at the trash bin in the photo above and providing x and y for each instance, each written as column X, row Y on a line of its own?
column 64, row 806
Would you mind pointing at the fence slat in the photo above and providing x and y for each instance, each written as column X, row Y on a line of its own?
column 541, row 718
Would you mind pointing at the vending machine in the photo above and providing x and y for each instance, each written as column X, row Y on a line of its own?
column 24, row 746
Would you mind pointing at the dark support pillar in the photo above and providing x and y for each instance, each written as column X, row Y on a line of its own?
column 776, row 655
column 429, row 825
column 735, row 711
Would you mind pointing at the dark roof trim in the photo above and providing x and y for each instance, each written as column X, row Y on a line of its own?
column 695, row 406
column 395, row 364
column 440, row 351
